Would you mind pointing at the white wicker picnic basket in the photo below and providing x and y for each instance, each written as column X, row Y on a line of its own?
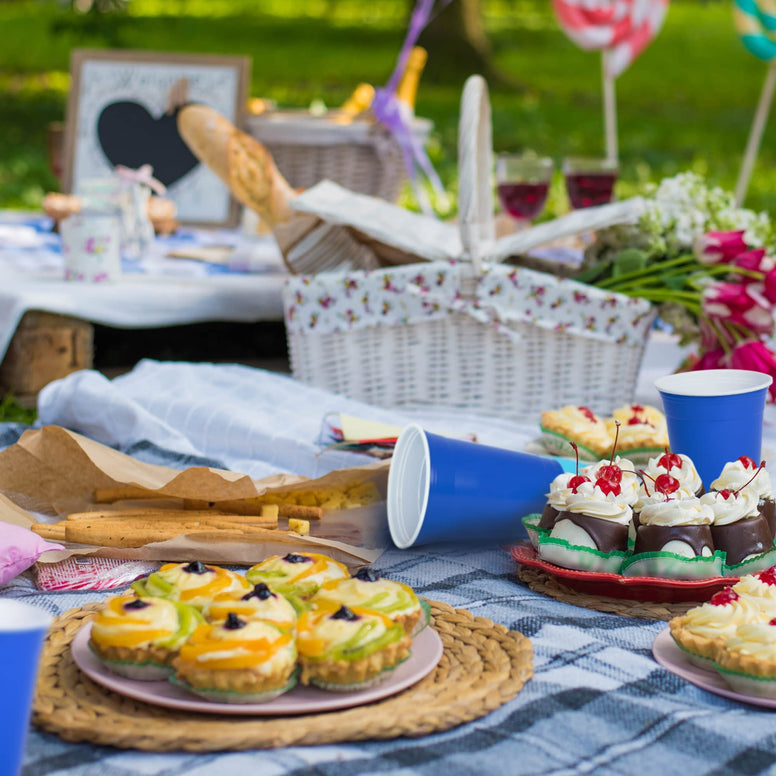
column 362, row 155
column 484, row 337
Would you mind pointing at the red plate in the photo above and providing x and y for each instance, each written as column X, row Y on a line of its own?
column 616, row 586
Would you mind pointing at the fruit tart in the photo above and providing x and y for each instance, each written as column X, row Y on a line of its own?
column 192, row 583
column 367, row 590
column 745, row 473
column 346, row 649
column 297, row 575
column 643, row 431
column 139, row 637
column 579, row 425
column 237, row 661
column 257, row 604
column 704, row 629
column 747, row 661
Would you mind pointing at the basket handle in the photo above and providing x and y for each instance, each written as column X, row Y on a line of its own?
column 475, row 165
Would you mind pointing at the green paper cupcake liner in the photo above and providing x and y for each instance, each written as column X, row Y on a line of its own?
column 747, row 684
column 758, row 563
column 230, row 696
column 531, row 525
column 557, row 444
column 572, row 556
column 669, row 565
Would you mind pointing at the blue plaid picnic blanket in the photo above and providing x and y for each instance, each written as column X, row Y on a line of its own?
column 598, row 703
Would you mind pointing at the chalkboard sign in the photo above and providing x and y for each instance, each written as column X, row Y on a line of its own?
column 122, row 109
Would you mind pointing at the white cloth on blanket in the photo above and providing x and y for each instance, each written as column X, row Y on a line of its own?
column 261, row 422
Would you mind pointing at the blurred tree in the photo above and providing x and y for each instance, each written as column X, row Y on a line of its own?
column 459, row 46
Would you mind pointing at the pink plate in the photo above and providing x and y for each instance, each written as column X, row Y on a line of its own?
column 671, row 657
column 426, row 653
column 631, row 588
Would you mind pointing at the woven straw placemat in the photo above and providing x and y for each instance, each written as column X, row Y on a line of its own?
column 484, row 665
column 542, row 582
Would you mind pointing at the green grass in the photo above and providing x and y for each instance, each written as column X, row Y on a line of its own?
column 687, row 103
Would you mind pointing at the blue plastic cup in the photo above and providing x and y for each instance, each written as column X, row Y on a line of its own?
column 22, row 630
column 715, row 416
column 448, row 490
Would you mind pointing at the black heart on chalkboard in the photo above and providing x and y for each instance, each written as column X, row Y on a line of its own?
column 131, row 136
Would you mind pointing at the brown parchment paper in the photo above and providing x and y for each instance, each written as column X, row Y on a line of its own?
column 53, row 472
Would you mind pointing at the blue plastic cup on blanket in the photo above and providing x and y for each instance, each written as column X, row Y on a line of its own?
column 22, row 630
column 715, row 416
column 448, row 490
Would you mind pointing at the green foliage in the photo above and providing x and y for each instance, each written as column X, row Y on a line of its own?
column 676, row 111
column 13, row 412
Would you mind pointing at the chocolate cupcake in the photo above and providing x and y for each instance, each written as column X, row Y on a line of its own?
column 592, row 532
column 745, row 473
column 679, row 466
column 740, row 530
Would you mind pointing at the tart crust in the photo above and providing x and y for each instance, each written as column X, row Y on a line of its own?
column 345, row 673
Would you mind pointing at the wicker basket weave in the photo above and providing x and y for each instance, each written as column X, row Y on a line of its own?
column 361, row 156
column 486, row 338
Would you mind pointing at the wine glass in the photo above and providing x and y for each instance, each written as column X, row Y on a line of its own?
column 589, row 181
column 523, row 182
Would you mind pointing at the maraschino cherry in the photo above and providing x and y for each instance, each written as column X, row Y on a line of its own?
column 723, row 597
column 611, row 471
column 668, row 460
column 610, row 476
column 588, row 413
column 578, row 478
column 726, row 493
column 768, row 576
column 664, row 483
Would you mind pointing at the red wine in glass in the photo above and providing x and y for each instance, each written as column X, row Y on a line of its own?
column 586, row 189
column 523, row 201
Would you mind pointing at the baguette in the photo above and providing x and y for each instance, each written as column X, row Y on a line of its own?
column 239, row 160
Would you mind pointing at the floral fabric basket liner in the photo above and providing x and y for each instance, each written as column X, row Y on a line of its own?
column 334, row 302
column 447, row 324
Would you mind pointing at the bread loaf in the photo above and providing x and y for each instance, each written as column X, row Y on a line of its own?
column 239, row 160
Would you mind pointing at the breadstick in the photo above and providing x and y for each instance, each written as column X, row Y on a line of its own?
column 248, row 506
column 54, row 531
column 154, row 516
column 121, row 534
column 109, row 495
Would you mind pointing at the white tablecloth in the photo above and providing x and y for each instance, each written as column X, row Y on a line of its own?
column 153, row 291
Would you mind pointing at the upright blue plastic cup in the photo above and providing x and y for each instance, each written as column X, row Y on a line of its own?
column 714, row 416
column 22, row 630
column 448, row 490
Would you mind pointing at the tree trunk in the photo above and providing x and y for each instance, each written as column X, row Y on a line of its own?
column 458, row 46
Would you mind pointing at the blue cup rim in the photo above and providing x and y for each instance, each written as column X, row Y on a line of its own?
column 409, row 485
column 20, row 617
column 707, row 382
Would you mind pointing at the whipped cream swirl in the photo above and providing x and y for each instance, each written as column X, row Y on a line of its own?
column 629, row 485
column 560, row 491
column 688, row 511
column 592, row 501
column 737, row 506
column 687, row 474
column 735, row 475
column 656, row 497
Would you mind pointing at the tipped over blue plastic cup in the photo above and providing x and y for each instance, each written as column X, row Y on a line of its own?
column 447, row 490
column 715, row 416
column 22, row 630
